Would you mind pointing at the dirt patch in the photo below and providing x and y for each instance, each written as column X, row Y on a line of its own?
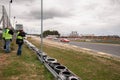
column 3, row 59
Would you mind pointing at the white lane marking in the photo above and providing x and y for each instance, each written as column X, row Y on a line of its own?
column 87, row 49
column 102, row 53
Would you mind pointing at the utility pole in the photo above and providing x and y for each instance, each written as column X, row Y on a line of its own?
column 14, row 22
column 9, row 13
column 3, row 17
column 41, row 26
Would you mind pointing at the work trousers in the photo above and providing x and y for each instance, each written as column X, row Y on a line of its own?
column 4, row 47
column 7, row 42
column 19, row 51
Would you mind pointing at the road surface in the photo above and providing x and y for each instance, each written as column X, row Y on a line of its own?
column 106, row 48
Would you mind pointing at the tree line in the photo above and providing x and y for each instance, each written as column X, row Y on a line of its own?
column 48, row 32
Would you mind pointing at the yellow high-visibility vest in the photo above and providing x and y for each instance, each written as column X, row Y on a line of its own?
column 7, row 35
column 19, row 37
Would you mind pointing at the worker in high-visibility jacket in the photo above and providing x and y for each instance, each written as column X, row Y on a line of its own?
column 20, row 41
column 8, row 39
column 3, row 37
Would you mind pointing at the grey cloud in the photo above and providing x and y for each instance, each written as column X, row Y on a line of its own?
column 16, row 1
column 114, row 2
column 48, row 14
column 22, row 1
column 55, row 13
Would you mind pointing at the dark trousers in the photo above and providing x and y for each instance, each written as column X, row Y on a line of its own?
column 7, row 45
column 4, row 47
column 19, row 51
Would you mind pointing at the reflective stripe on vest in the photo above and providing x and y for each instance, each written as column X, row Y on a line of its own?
column 19, row 37
column 7, row 35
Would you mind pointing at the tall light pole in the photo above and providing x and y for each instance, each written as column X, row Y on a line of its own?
column 9, row 13
column 14, row 22
column 3, row 16
column 41, row 25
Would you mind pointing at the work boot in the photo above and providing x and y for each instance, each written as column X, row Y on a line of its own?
column 7, row 51
column 19, row 53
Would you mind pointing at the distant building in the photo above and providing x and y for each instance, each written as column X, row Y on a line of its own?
column 87, row 35
column 74, row 34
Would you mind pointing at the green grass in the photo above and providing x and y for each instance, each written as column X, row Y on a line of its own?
column 24, row 67
column 11, row 69
column 86, row 66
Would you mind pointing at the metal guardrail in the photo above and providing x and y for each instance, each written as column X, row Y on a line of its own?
column 59, row 71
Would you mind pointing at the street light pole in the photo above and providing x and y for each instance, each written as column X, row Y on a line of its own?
column 3, row 16
column 41, row 25
column 14, row 23
column 9, row 12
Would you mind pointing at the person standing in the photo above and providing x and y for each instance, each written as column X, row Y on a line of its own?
column 3, row 37
column 19, row 41
column 8, row 39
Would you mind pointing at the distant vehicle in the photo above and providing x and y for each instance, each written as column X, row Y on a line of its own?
column 64, row 40
column 19, row 26
column 55, row 38
column 48, row 37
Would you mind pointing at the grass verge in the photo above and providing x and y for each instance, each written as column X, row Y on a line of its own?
column 86, row 66
column 24, row 67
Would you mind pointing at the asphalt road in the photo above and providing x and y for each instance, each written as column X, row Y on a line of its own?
column 106, row 48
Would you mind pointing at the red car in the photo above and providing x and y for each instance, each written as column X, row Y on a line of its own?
column 64, row 40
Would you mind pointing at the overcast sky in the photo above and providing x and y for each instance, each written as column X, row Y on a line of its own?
column 99, row 17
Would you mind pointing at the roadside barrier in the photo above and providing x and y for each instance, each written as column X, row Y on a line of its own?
column 65, row 74
column 52, row 65
column 50, row 60
column 59, row 71
column 60, row 68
